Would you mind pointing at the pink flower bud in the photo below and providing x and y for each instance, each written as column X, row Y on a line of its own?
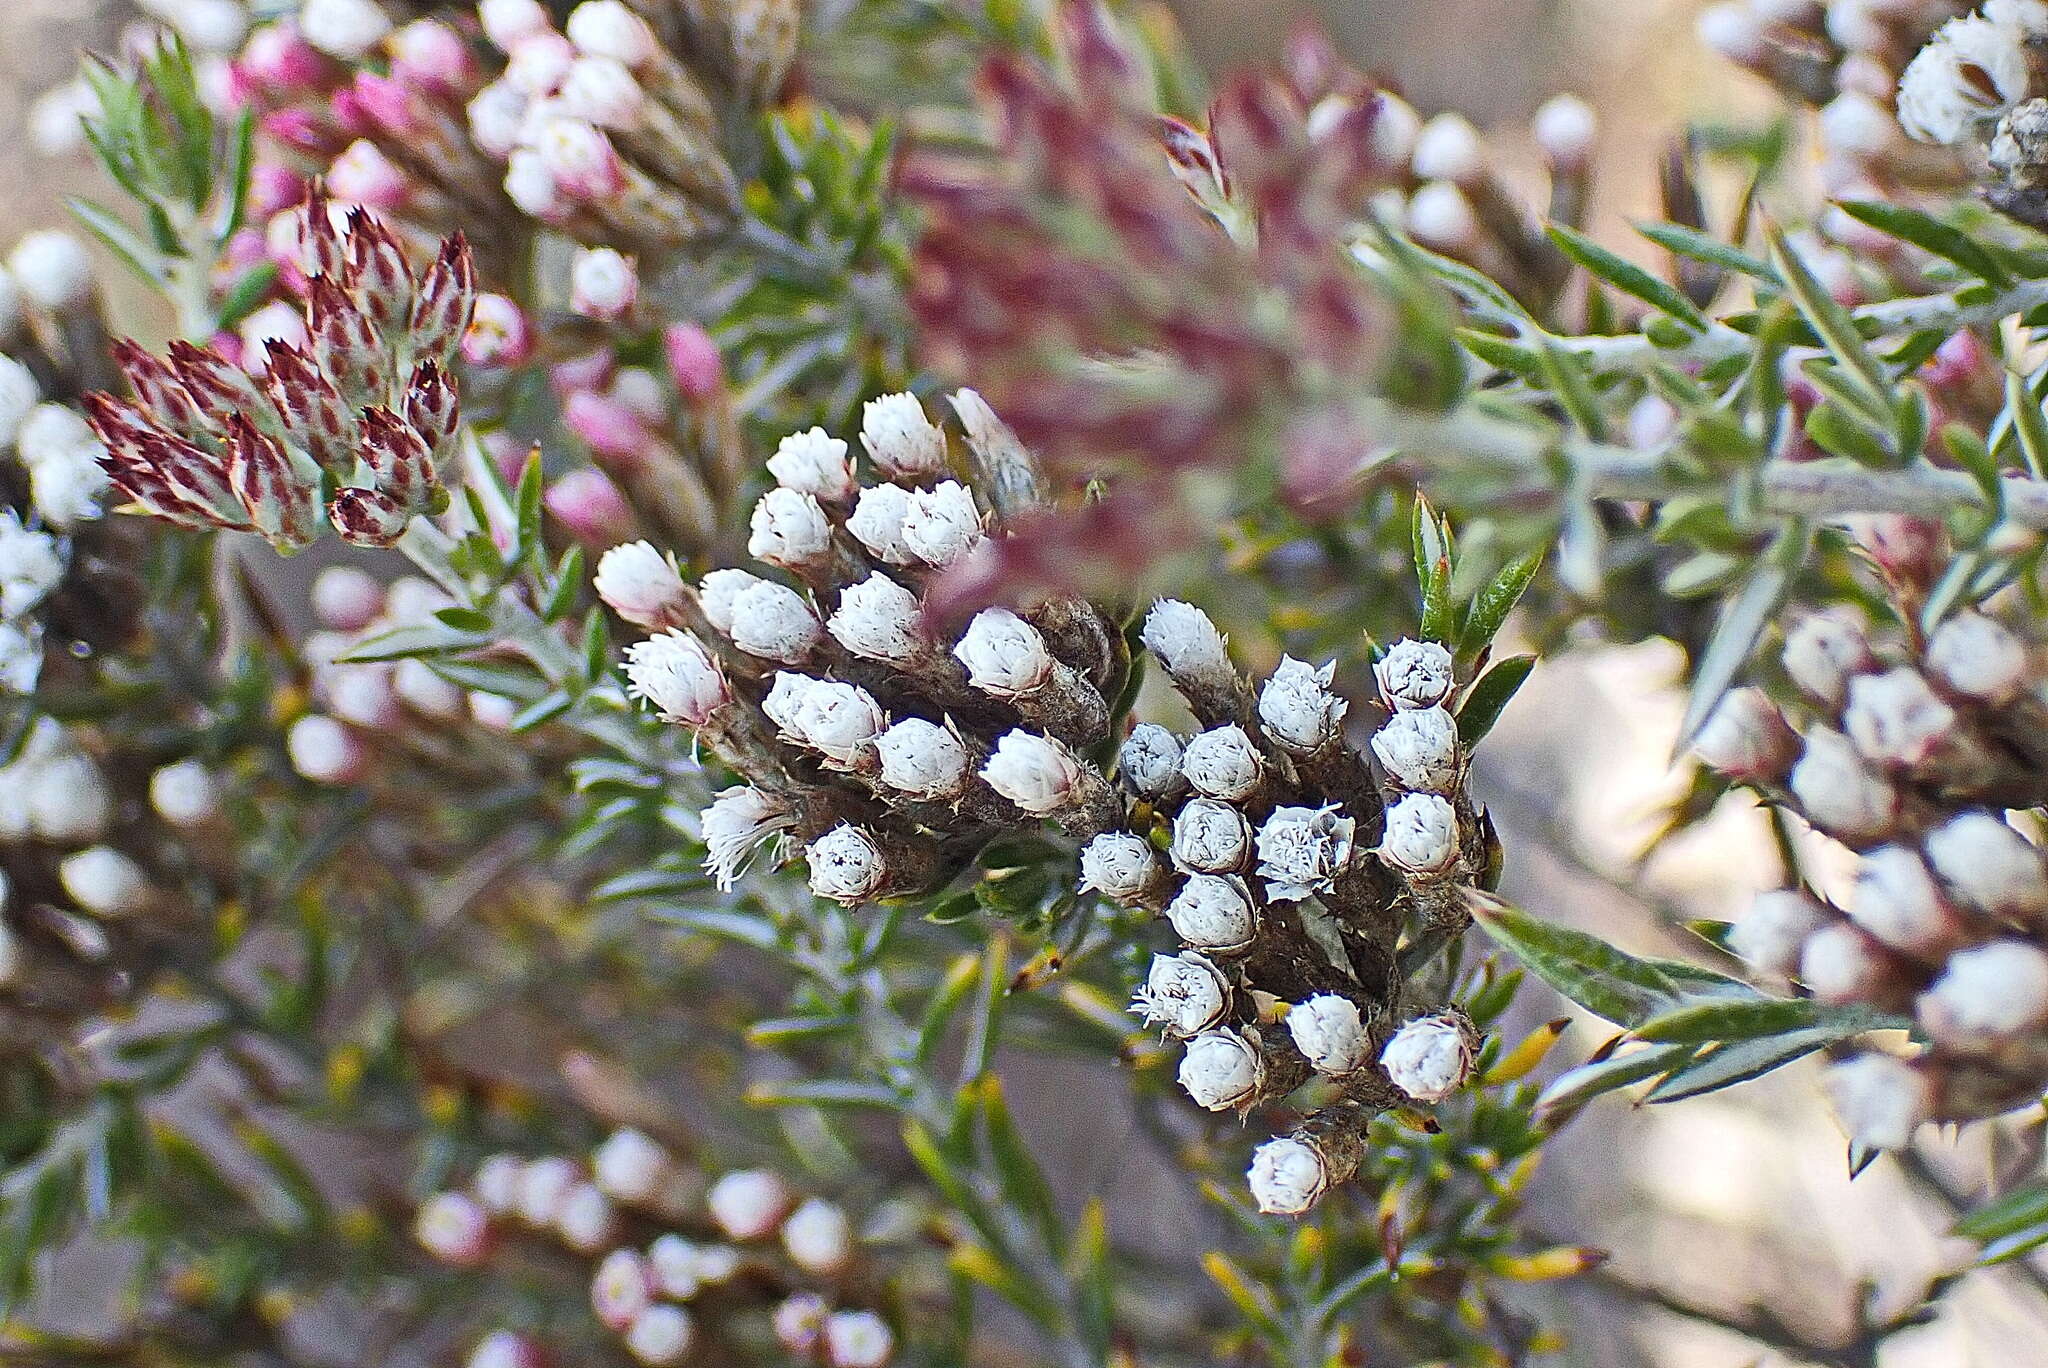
column 581, row 159
column 799, row 1323
column 278, row 61
column 498, row 334
column 495, row 115
column 347, row 29
column 537, row 61
column 611, row 429
column 694, row 361
column 346, row 599
column 429, row 53
column 363, row 175
column 591, row 506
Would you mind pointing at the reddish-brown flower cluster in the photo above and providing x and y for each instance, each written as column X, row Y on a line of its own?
column 1134, row 292
column 353, row 422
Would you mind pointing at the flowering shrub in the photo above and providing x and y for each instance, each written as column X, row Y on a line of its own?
column 816, row 616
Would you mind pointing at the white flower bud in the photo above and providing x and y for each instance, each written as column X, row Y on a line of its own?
column 814, row 463
column 607, row 28
column 1841, row 963
column 67, row 489
column 748, row 1204
column 346, row 599
column 505, row 22
column 1895, row 718
column 543, row 1185
column 1213, row 912
column 1149, row 762
column 1415, row 674
column 630, row 1167
column 496, row 1184
column 675, row 673
column 1430, row 1057
column 53, row 269
column 922, row 759
column 715, row 1264
column 1210, row 837
column 1565, row 127
column 1221, row 1070
column 1120, row 866
column 1838, row 792
column 585, row 1220
column 1897, row 902
column 877, row 523
column 1970, row 71
column 640, row 584
column 660, row 1336
column 941, row 524
column 839, row 721
column 185, row 794
column 847, row 865
column 1188, row 645
column 1330, row 1033
column 1288, row 1176
column 1297, row 707
column 504, row 1349
column 1822, row 652
column 799, row 1323
column 1440, row 215
column 104, row 882
column 857, row 1339
column 1881, row 1100
column 346, row 29
column 1779, row 922
column 1989, row 991
column 604, row 283
column 1421, row 837
column 1746, row 738
column 818, row 1237
column 719, row 590
column 773, row 621
column 1418, row 748
column 621, row 1290
column 789, row 529
column 19, row 394
column 21, row 656
column 1979, row 658
column 324, row 751
column 453, row 1228
column 1449, row 148
column 1303, row 850
column 65, row 799
column 2030, row 17
column 30, row 566
column 672, row 1263
column 1005, row 656
column 362, row 694
column 903, row 443
column 495, row 115
column 879, row 619
column 1223, row 763
column 418, row 687
column 1989, row 867
column 1037, row 773
column 1855, row 126
column 739, row 822
column 1185, row 993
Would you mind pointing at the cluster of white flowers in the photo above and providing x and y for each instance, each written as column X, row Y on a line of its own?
column 1229, row 830
column 988, row 726
column 607, row 134
column 632, row 1186
column 1912, row 763
column 1971, row 71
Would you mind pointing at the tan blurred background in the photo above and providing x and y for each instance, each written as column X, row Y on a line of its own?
column 1726, row 1204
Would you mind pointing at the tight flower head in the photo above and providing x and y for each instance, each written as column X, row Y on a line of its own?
column 903, row 443
column 1149, row 762
column 1210, row 837
column 1120, row 866
column 639, row 583
column 1223, row 763
column 1288, row 1176
column 1415, row 674
column 1188, row 644
column 1213, row 912
column 847, row 865
column 814, row 463
column 1297, row 707
column 1037, row 773
column 1430, row 1057
column 1303, row 850
column 739, row 822
column 1330, row 1033
column 1005, row 656
column 1221, row 1070
column 922, row 759
column 1185, row 993
column 678, row 676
